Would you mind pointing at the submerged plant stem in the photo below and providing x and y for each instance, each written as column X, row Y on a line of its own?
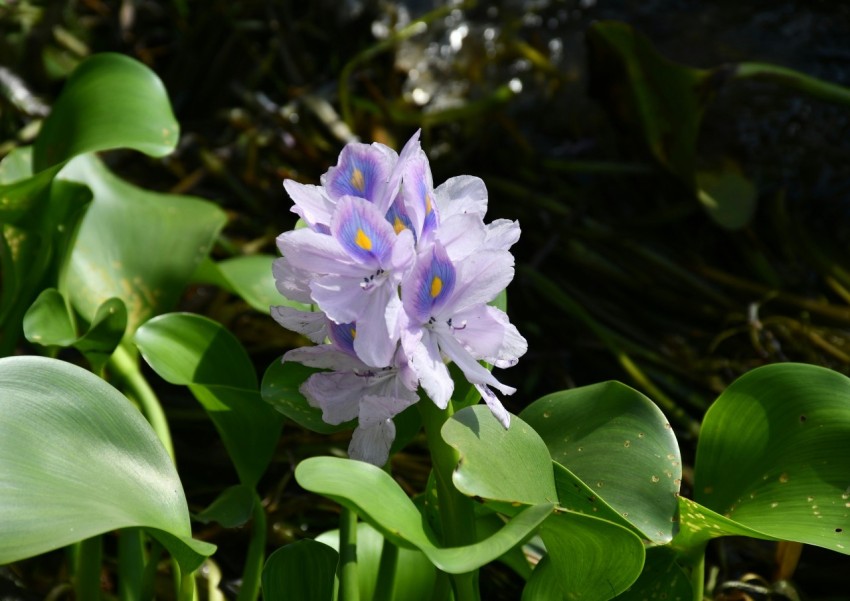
column 349, row 586
column 127, row 368
column 457, row 512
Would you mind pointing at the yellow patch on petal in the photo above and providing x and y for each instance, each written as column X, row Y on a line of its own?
column 362, row 240
column 436, row 286
column 399, row 226
column 353, row 333
column 357, row 180
column 428, row 207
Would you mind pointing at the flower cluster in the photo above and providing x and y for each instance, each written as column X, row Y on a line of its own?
column 401, row 273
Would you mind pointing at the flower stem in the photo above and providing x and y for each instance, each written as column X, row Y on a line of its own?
column 127, row 369
column 87, row 577
column 131, row 564
column 349, row 587
column 252, row 573
column 457, row 512
column 386, row 573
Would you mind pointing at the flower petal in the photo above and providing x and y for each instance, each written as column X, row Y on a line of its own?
column 292, row 283
column 461, row 194
column 316, row 253
column 363, row 231
column 424, row 356
column 430, row 284
column 324, row 356
column 362, row 171
column 461, row 235
column 372, row 444
column 480, row 277
column 488, row 335
column 474, row 371
column 495, row 405
column 311, row 203
column 337, row 394
column 377, row 328
column 502, row 234
column 313, row 325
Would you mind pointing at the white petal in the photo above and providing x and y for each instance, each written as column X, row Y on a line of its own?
column 461, row 235
column 487, row 334
column 474, row 371
column 425, row 358
column 502, row 234
column 496, row 408
column 292, row 283
column 461, row 194
column 480, row 277
column 316, row 253
column 372, row 444
column 324, row 356
column 311, row 324
column 311, row 203
column 337, row 394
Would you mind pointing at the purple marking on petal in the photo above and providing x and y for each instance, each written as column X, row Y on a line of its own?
column 362, row 171
column 418, row 194
column 343, row 335
column 430, row 284
column 362, row 231
column 398, row 217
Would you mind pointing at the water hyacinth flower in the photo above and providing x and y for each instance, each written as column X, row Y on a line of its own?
column 401, row 273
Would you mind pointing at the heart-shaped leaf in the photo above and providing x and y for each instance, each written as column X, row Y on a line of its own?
column 154, row 243
column 510, row 465
column 620, row 444
column 774, row 454
column 378, row 499
column 304, row 570
column 191, row 350
column 76, row 460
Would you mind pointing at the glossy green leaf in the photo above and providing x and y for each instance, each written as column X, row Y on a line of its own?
column 248, row 277
column 139, row 246
column 774, row 454
column 232, row 508
column 79, row 460
column 110, row 101
column 620, row 444
column 191, row 350
column 49, row 322
column 588, row 558
column 304, row 570
column 699, row 524
column 576, row 496
column 378, row 499
column 510, row 465
column 414, row 575
column 280, row 388
column 662, row 578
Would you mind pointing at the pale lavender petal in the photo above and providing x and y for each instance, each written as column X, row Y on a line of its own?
column 425, row 358
column 480, row 277
column 362, row 171
column 461, row 235
column 430, row 284
column 316, row 253
column 472, row 370
column 292, row 283
column 342, row 336
column 403, row 256
column 375, row 409
column 411, row 148
column 496, row 408
column 376, row 342
column 461, row 194
column 311, row 203
column 487, row 334
column 362, row 230
column 337, row 394
column 341, row 297
column 372, row 444
column 324, row 356
column 502, row 234
column 313, row 325
column 398, row 217
column 418, row 195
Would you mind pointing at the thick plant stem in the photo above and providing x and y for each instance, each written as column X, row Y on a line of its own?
column 800, row 81
column 253, row 570
column 131, row 564
column 127, row 369
column 187, row 591
column 386, row 572
column 698, row 578
column 87, row 577
column 349, row 587
column 457, row 512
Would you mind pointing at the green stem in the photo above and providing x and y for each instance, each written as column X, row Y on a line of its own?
column 127, row 368
column 386, row 573
column 151, row 569
column 457, row 512
column 349, row 587
column 187, row 591
column 253, row 571
column 698, row 578
column 131, row 564
column 89, row 559
column 794, row 79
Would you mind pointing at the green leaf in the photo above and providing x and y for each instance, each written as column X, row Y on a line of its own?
column 699, row 524
column 728, row 196
column 379, row 500
column 191, row 350
column 588, row 559
column 414, row 576
column 139, row 246
column 49, row 322
column 576, row 496
column 79, row 460
column 620, row 444
column 232, row 508
column 280, row 388
column 774, row 454
column 509, row 465
column 110, row 101
column 248, row 277
column 662, row 578
column 304, row 570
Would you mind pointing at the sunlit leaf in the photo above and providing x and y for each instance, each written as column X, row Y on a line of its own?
column 510, row 465
column 414, row 575
column 192, row 350
column 139, row 246
column 232, row 508
column 774, row 454
column 620, row 444
column 110, row 101
column 378, row 499
column 304, row 570
column 79, row 460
